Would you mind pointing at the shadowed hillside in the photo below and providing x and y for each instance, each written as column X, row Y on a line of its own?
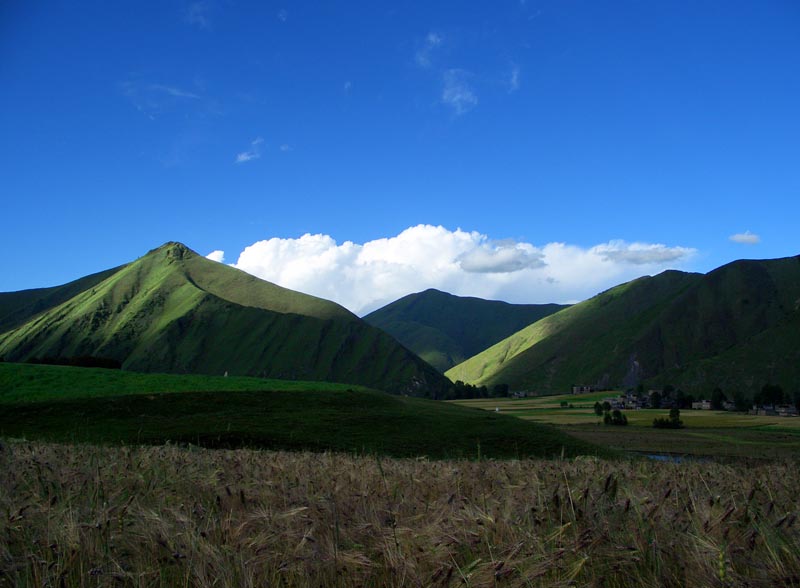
column 175, row 311
column 445, row 330
column 123, row 407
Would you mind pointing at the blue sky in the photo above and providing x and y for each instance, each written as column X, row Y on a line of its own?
column 550, row 133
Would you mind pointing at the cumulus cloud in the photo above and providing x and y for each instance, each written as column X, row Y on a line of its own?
column 363, row 277
column 218, row 256
column 501, row 259
column 747, row 238
column 253, row 153
column 457, row 93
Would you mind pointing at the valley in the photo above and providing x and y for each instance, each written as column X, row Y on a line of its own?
column 240, row 433
column 707, row 434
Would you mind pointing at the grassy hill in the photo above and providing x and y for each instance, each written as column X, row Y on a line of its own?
column 737, row 327
column 108, row 406
column 444, row 330
column 18, row 307
column 175, row 311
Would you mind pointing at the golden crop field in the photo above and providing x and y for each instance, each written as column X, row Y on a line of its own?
column 168, row 516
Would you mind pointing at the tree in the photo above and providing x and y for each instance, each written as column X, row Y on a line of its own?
column 598, row 409
column 606, row 406
column 717, row 399
column 655, row 400
column 770, row 394
column 615, row 418
column 741, row 401
column 500, row 390
column 673, row 422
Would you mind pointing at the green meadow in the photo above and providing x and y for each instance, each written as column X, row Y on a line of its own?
column 86, row 405
column 706, row 433
column 40, row 383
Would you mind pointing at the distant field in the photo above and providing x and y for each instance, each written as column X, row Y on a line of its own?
column 111, row 406
column 712, row 433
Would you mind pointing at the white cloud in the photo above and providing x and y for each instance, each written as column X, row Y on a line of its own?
column 198, row 14
column 425, row 52
column 363, row 277
column 283, row 15
column 747, row 238
column 286, row 147
column 501, row 259
column 153, row 100
column 513, row 80
column 253, row 153
column 641, row 253
column 457, row 92
column 218, row 256
column 174, row 92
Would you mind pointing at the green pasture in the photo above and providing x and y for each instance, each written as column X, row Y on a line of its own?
column 21, row 382
column 706, row 432
column 83, row 405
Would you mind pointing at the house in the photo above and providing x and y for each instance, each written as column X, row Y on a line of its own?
column 616, row 402
column 728, row 405
column 583, row 389
column 522, row 394
column 765, row 410
column 786, row 410
column 702, row 405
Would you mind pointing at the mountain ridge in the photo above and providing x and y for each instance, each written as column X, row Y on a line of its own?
column 697, row 331
column 173, row 310
column 444, row 329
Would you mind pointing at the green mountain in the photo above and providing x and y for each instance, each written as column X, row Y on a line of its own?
column 737, row 327
column 175, row 311
column 445, row 330
column 16, row 308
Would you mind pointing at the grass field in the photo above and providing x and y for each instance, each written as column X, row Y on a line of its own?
column 706, row 433
column 111, row 406
column 21, row 382
column 167, row 516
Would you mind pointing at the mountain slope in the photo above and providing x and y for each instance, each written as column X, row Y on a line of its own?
column 18, row 307
column 175, row 311
column 444, row 329
column 737, row 327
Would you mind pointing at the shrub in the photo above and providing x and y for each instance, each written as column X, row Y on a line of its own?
column 673, row 422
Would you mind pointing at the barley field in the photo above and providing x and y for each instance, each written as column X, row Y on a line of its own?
column 73, row 515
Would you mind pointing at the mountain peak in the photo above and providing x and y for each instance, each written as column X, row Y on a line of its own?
column 173, row 250
column 173, row 310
